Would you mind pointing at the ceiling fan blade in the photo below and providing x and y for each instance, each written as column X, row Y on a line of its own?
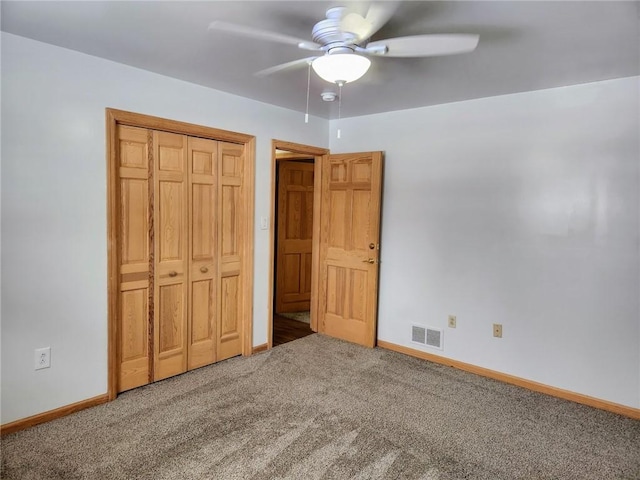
column 424, row 45
column 262, row 35
column 364, row 27
column 284, row 66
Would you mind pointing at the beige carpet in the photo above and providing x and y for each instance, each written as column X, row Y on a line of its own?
column 319, row 408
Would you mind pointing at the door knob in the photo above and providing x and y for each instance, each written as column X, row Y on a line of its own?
column 369, row 260
column 204, row 269
column 173, row 273
column 372, row 246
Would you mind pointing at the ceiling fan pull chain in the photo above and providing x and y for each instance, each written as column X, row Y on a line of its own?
column 339, row 105
column 306, row 115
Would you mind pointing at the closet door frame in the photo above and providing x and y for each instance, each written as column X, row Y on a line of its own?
column 116, row 117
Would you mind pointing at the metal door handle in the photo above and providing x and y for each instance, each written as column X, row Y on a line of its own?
column 173, row 273
column 204, row 269
column 370, row 260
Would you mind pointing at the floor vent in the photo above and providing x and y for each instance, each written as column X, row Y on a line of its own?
column 429, row 336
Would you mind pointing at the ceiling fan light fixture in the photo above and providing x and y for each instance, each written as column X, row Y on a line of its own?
column 341, row 67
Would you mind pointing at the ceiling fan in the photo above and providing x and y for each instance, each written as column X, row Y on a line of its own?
column 344, row 38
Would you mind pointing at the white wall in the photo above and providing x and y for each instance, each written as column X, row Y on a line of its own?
column 54, row 256
column 522, row 210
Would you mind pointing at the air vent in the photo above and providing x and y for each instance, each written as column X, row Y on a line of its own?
column 429, row 336
column 434, row 338
column 418, row 334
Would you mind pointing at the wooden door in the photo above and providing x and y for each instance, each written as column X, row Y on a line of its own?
column 171, row 250
column 180, row 247
column 295, row 233
column 202, row 165
column 349, row 246
column 231, row 238
column 135, row 295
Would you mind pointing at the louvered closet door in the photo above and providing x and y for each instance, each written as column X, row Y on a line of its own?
column 134, row 245
column 202, row 164
column 171, row 251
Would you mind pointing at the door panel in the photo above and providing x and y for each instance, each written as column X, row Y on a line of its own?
column 230, row 237
column 229, row 214
column 201, row 314
column 171, row 233
column 134, row 216
column 229, row 301
column 295, row 233
column 349, row 246
column 171, row 221
column 202, row 157
column 134, row 239
column 170, row 331
column 134, row 347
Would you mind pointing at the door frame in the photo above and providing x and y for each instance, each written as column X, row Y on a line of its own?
column 116, row 117
column 319, row 156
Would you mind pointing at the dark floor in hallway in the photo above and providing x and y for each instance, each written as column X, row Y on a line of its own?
column 286, row 330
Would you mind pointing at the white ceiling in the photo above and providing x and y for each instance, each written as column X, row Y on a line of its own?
column 523, row 46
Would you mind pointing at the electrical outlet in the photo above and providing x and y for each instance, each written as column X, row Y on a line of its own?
column 42, row 358
column 452, row 321
column 497, row 330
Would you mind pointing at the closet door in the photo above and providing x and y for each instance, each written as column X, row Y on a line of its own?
column 231, row 210
column 202, row 165
column 135, row 296
column 171, row 250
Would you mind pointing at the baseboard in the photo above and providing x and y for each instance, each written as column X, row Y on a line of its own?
column 521, row 382
column 467, row 367
column 260, row 348
column 74, row 407
column 18, row 425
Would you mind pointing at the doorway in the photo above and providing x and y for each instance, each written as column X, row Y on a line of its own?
column 293, row 247
column 295, row 209
column 347, row 194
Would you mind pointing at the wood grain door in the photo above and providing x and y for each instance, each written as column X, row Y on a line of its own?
column 231, row 234
column 135, row 295
column 180, row 247
column 349, row 246
column 295, row 233
column 171, row 251
column 202, row 165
